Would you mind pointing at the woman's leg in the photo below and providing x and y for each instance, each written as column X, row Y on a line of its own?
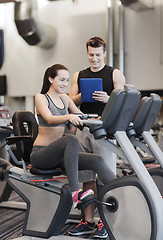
column 64, row 149
column 95, row 162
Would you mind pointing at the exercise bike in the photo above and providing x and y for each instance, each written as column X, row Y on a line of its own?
column 139, row 131
column 5, row 131
column 127, row 200
column 147, row 112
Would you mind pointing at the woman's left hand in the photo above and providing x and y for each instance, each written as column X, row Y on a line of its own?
column 75, row 120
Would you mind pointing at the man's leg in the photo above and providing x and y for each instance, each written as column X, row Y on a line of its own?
column 89, row 144
column 89, row 211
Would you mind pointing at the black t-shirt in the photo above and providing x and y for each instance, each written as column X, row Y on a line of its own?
column 106, row 74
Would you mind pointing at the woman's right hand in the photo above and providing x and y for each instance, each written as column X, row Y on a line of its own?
column 75, row 120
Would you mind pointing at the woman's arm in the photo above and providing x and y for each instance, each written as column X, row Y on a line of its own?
column 42, row 108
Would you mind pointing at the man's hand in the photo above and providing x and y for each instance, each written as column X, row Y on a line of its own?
column 100, row 96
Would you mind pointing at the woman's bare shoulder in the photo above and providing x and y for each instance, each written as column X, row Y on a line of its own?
column 39, row 95
column 40, row 98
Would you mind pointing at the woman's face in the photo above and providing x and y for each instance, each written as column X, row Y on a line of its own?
column 60, row 82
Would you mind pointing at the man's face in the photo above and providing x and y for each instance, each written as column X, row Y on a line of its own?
column 96, row 57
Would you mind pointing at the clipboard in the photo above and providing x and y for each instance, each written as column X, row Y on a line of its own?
column 88, row 86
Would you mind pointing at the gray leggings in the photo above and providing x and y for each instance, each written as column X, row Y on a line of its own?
column 65, row 152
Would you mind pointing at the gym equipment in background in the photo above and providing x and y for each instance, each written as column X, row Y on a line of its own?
column 146, row 114
column 5, row 131
column 131, row 196
column 1, row 47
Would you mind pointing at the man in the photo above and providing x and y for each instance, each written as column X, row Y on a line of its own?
column 111, row 78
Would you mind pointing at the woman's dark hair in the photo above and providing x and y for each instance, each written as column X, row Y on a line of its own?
column 96, row 42
column 51, row 72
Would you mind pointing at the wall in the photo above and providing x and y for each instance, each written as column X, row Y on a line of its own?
column 144, row 47
column 75, row 22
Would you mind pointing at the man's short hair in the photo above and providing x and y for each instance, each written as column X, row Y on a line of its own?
column 96, row 42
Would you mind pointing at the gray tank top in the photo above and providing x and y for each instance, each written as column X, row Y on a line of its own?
column 56, row 111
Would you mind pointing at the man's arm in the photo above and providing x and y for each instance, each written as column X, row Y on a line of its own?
column 118, row 82
column 74, row 90
column 119, row 79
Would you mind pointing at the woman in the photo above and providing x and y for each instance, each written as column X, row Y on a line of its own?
column 51, row 148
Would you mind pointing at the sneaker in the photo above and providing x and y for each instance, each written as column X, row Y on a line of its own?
column 83, row 227
column 100, row 231
column 80, row 195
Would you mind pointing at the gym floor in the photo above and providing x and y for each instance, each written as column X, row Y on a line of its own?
column 52, row 238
